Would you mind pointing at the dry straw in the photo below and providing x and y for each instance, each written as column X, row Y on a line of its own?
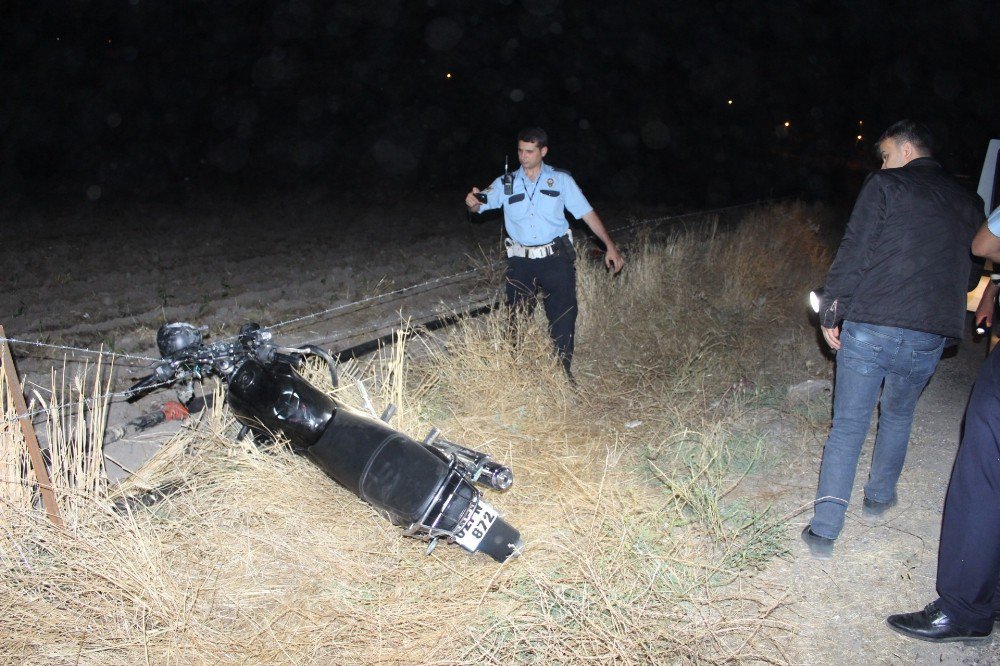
column 16, row 477
column 627, row 495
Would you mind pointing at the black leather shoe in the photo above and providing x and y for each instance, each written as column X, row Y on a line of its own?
column 931, row 624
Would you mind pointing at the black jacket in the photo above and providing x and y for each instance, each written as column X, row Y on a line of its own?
column 904, row 260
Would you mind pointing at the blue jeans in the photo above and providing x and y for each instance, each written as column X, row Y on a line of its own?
column 870, row 355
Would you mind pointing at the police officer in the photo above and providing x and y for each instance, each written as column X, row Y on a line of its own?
column 968, row 573
column 539, row 245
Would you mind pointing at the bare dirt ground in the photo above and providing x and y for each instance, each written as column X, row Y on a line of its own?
column 112, row 278
column 880, row 567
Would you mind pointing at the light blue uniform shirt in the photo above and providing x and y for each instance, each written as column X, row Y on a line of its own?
column 994, row 222
column 533, row 214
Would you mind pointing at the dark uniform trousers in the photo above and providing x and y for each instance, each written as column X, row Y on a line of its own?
column 969, row 557
column 555, row 277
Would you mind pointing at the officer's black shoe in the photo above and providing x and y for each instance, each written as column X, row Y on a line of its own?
column 931, row 624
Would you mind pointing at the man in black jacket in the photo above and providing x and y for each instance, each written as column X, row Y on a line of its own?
column 894, row 296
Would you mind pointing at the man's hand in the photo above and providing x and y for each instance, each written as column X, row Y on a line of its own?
column 471, row 202
column 832, row 336
column 613, row 258
column 984, row 312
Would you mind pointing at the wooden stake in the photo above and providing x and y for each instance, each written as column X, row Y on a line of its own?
column 34, row 450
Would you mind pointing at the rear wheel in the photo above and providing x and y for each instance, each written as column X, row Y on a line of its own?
column 501, row 541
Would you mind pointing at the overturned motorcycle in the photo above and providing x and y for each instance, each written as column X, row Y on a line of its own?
column 427, row 488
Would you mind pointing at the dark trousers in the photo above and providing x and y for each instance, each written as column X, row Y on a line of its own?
column 555, row 278
column 969, row 557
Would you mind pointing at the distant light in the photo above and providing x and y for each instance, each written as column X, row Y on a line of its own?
column 448, row 75
column 729, row 102
column 859, row 137
column 788, row 123
column 861, row 122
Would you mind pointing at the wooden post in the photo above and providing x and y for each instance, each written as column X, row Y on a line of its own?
column 34, row 450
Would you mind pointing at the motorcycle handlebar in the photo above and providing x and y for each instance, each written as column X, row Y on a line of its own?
column 221, row 358
column 141, row 387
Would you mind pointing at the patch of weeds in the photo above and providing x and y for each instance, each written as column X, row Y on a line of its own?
column 767, row 396
column 816, row 412
column 163, row 295
column 745, row 453
column 753, row 537
column 699, row 473
column 110, row 343
column 369, row 287
column 435, row 411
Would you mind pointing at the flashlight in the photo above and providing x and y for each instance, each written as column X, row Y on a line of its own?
column 814, row 301
column 981, row 327
column 815, row 297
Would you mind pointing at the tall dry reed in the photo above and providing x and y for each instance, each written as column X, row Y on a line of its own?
column 17, row 480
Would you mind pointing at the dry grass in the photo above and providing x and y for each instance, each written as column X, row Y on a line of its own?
column 625, row 495
column 17, row 480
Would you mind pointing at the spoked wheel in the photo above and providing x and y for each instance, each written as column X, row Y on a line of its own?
column 501, row 541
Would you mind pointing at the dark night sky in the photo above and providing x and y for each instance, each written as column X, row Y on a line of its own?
column 145, row 98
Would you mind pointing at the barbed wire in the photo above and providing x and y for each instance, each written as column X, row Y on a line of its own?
column 456, row 306
column 377, row 297
column 701, row 213
column 312, row 315
column 343, row 306
column 85, row 350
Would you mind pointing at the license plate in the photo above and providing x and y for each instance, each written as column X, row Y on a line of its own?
column 471, row 534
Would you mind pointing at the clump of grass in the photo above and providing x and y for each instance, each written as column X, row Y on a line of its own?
column 76, row 417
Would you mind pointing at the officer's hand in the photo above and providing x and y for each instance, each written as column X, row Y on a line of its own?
column 984, row 317
column 832, row 336
column 471, row 201
column 613, row 258
column 987, row 304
